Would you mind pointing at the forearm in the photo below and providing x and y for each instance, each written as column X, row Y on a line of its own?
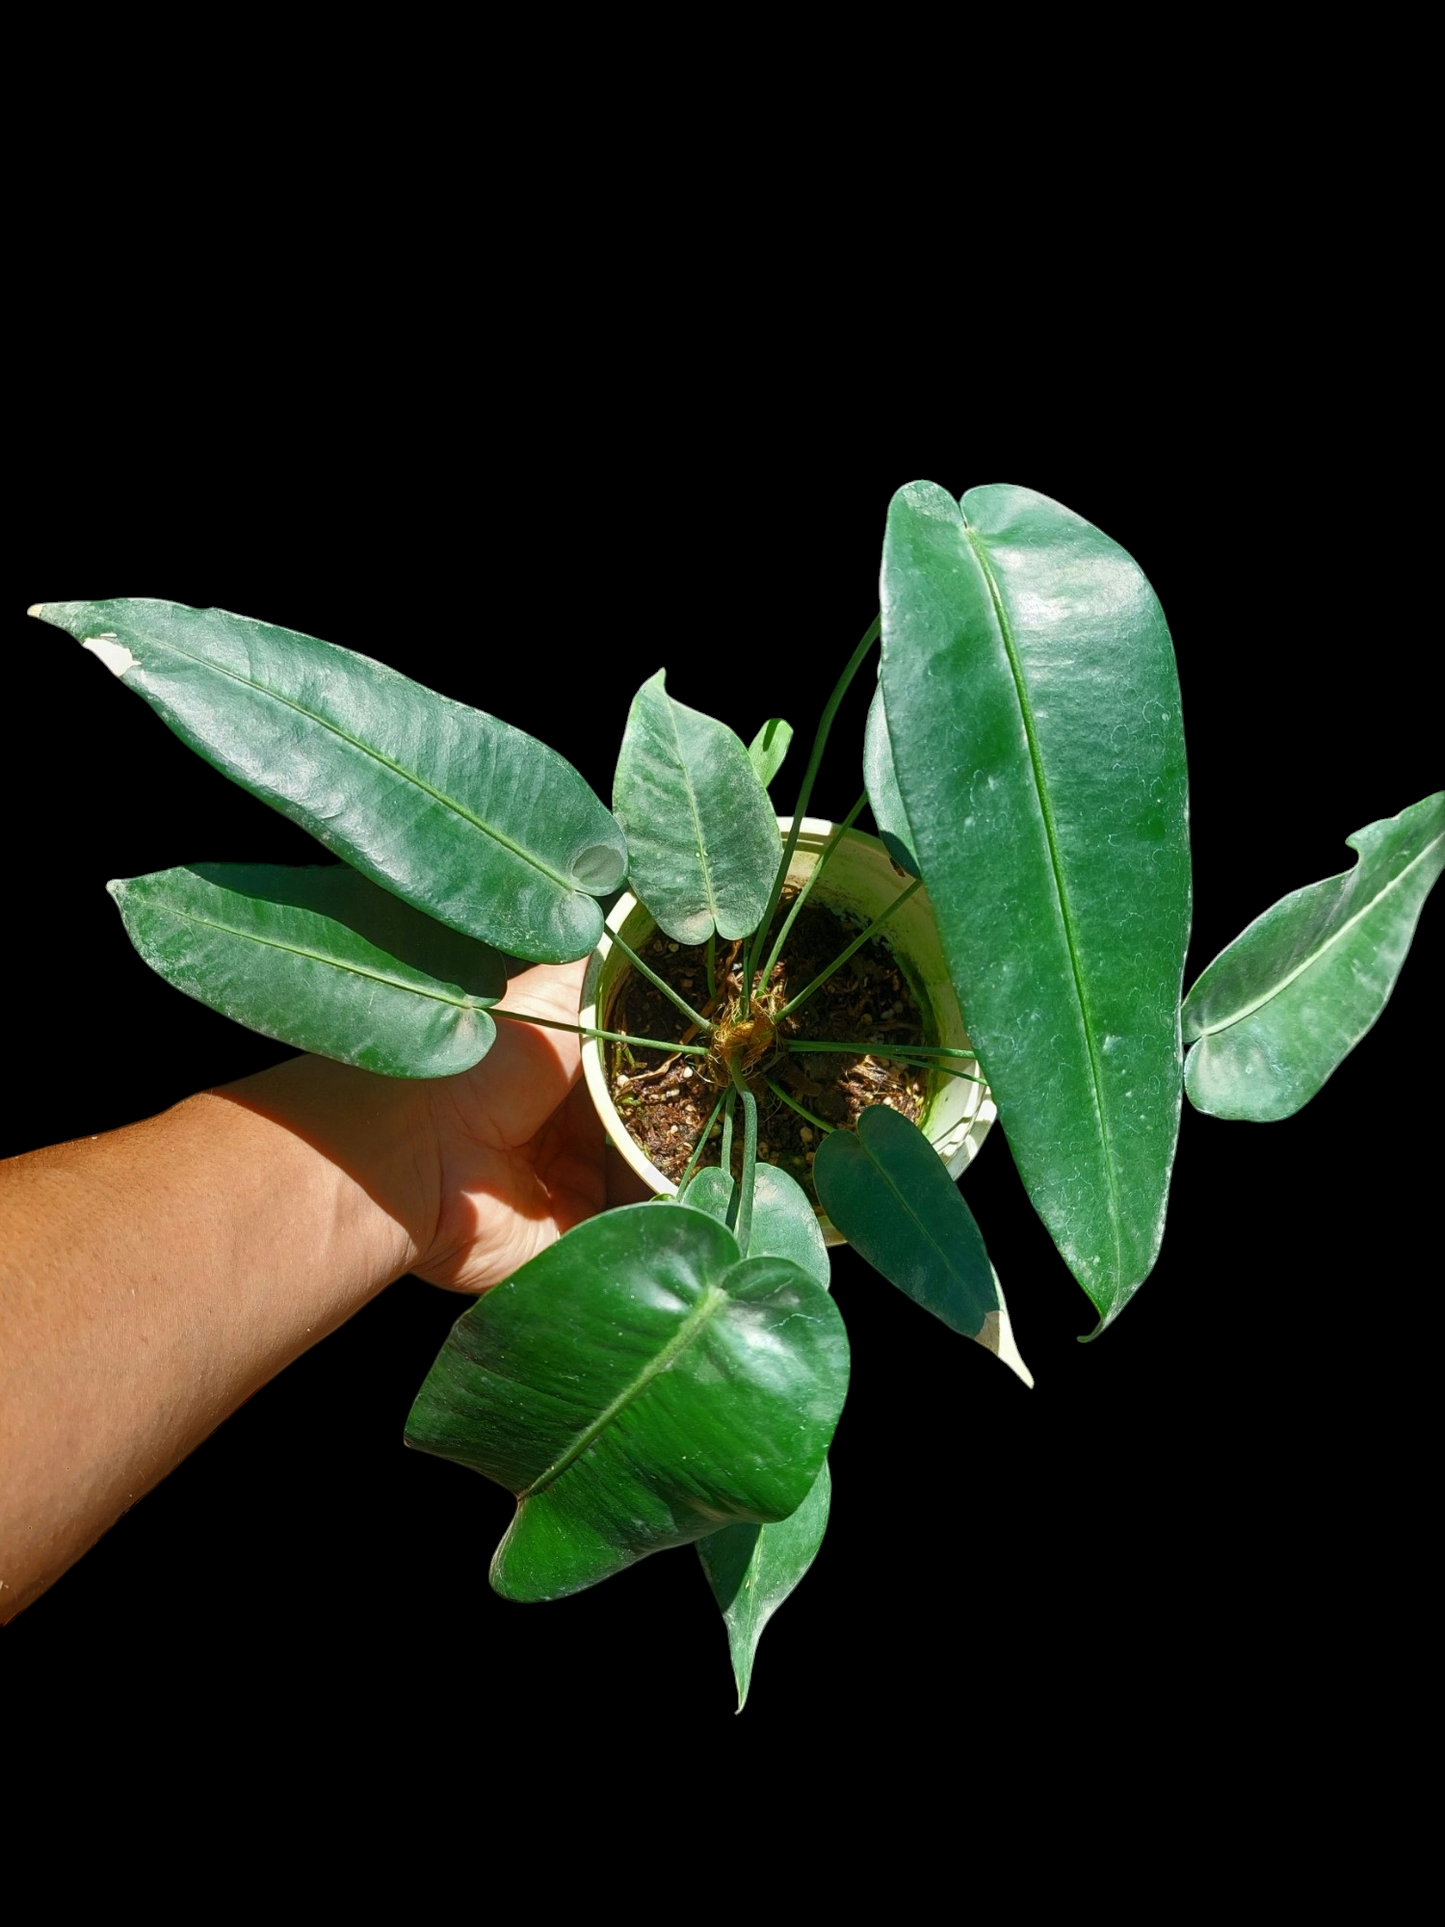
column 153, row 1278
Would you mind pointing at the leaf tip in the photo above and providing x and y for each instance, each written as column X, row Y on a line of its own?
column 742, row 1679
column 997, row 1335
column 35, row 609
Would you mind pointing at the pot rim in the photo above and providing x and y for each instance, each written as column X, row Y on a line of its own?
column 965, row 1112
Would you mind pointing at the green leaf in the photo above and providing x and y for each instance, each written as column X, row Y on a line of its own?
column 785, row 1225
column 881, row 781
column 471, row 820
column 888, row 1192
column 1033, row 710
column 320, row 959
column 701, row 834
column 1280, row 1008
column 637, row 1385
column 768, row 748
column 753, row 1569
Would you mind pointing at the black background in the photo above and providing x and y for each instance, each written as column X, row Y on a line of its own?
column 1174, row 1503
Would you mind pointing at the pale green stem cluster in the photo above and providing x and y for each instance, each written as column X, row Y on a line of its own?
column 667, row 990
column 921, row 1056
column 857, row 943
column 805, row 793
column 802, row 897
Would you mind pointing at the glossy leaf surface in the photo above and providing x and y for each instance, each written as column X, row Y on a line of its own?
column 881, row 781
column 753, row 1569
column 637, row 1385
column 889, row 1193
column 475, row 822
column 1033, row 710
column 321, row 959
column 701, row 833
column 1280, row 1008
column 785, row 1225
column 768, row 748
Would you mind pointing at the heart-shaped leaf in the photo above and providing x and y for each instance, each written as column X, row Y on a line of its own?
column 637, row 1385
column 701, row 834
column 888, row 1192
column 476, row 823
column 784, row 1225
column 321, row 959
column 1033, row 712
column 1279, row 1010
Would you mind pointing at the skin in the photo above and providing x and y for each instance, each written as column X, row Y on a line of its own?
column 153, row 1278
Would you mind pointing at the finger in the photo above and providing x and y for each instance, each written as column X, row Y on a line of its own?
column 529, row 1070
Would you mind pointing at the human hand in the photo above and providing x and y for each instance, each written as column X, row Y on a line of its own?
column 519, row 1147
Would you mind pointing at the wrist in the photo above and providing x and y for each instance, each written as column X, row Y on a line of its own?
column 368, row 1144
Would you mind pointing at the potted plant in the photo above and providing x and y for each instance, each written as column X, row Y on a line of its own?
column 1026, row 757
column 852, row 875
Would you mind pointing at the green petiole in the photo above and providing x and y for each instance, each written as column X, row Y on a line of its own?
column 805, row 791
column 793, row 1105
column 667, row 990
column 857, row 944
column 802, row 897
column 700, row 1146
column 602, row 1036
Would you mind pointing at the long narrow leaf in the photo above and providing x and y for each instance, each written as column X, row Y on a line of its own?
column 1033, row 712
column 636, row 1385
column 784, row 1224
column 476, row 823
column 320, row 959
column 887, row 1191
column 701, row 833
column 1280, row 1008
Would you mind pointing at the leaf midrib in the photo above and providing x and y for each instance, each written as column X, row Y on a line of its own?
column 316, row 956
column 1278, row 990
column 713, row 1296
column 702, row 855
column 1065, row 913
column 943, row 1253
column 379, row 756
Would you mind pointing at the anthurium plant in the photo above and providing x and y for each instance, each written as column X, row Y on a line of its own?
column 670, row 1374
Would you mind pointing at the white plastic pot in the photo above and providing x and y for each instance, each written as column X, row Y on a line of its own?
column 859, row 878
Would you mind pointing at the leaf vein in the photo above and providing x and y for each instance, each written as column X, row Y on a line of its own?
column 693, row 808
column 1065, row 913
column 686, row 1332
column 1238, row 1017
column 379, row 756
column 317, row 956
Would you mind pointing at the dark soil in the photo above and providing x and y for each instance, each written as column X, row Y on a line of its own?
column 666, row 1098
